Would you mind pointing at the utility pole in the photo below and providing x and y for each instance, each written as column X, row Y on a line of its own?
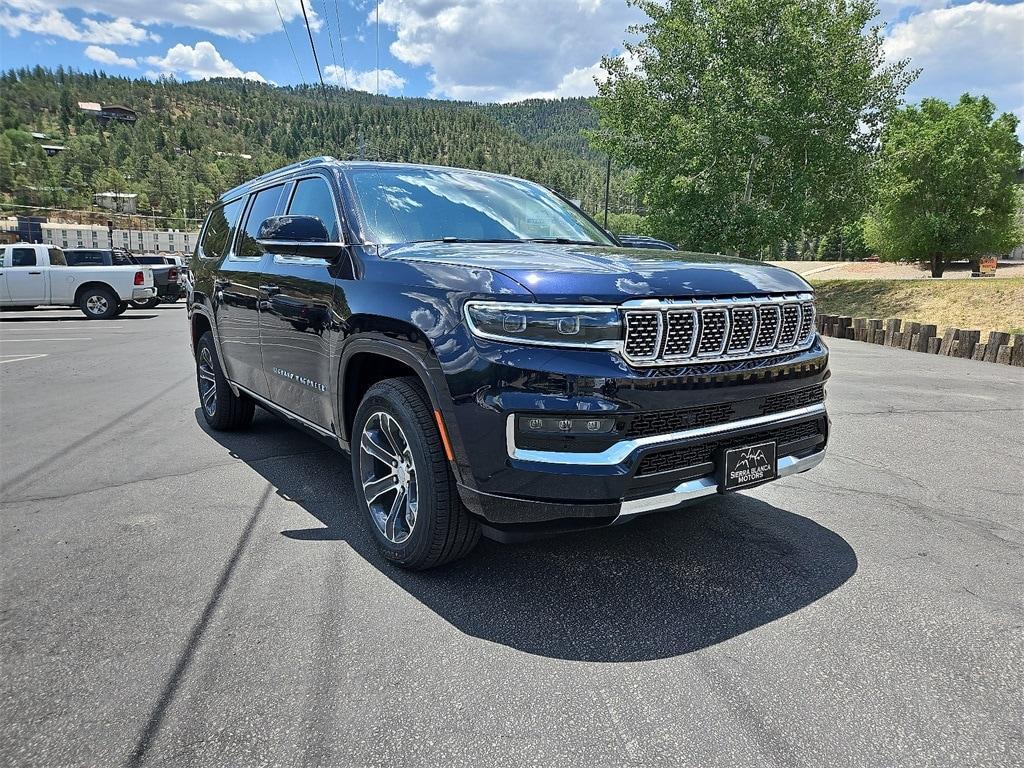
column 607, row 187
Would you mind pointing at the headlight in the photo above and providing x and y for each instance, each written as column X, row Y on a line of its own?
column 551, row 325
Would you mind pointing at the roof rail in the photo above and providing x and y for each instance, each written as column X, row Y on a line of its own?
column 269, row 175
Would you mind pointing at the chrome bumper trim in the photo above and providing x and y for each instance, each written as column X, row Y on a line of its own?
column 141, row 294
column 705, row 486
column 622, row 450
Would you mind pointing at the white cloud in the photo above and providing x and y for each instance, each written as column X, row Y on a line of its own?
column 390, row 81
column 974, row 47
column 501, row 50
column 53, row 23
column 198, row 62
column 240, row 19
column 107, row 56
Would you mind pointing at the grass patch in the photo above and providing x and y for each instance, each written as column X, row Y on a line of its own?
column 985, row 304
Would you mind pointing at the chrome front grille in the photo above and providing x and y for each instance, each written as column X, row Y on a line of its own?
column 711, row 330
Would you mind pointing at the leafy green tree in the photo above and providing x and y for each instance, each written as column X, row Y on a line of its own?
column 946, row 183
column 749, row 121
column 855, row 247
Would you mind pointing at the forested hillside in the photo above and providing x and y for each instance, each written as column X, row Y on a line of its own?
column 188, row 143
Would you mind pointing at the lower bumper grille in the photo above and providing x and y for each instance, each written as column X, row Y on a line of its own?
column 681, row 457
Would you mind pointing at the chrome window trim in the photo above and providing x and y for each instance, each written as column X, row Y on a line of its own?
column 622, row 450
column 610, row 344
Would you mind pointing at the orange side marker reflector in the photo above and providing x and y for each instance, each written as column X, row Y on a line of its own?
column 444, row 436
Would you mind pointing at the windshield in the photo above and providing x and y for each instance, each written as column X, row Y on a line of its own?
column 404, row 205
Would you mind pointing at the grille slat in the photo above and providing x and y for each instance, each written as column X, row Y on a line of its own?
column 718, row 329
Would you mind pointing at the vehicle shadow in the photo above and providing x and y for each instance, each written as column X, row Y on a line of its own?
column 664, row 585
column 8, row 318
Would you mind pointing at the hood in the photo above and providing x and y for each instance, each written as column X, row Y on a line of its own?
column 574, row 273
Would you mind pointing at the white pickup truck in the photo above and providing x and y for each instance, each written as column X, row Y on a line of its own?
column 33, row 275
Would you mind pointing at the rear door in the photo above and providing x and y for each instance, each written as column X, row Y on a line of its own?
column 237, row 293
column 295, row 314
column 26, row 277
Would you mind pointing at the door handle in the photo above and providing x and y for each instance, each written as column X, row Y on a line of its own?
column 270, row 290
column 35, row 273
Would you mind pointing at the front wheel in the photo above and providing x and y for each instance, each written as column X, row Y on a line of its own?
column 98, row 303
column 147, row 304
column 223, row 409
column 404, row 487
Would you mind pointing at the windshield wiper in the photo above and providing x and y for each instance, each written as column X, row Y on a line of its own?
column 450, row 239
column 561, row 241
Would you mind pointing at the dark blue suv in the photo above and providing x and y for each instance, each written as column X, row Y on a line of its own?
column 493, row 360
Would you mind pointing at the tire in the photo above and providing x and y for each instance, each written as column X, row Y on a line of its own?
column 98, row 303
column 147, row 304
column 121, row 309
column 441, row 529
column 223, row 410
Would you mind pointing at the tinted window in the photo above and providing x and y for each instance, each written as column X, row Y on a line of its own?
column 218, row 230
column 23, row 257
column 150, row 260
column 78, row 258
column 264, row 204
column 56, row 257
column 402, row 205
column 313, row 197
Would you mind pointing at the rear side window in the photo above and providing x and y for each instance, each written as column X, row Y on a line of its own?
column 23, row 257
column 218, row 230
column 264, row 204
column 78, row 258
column 313, row 197
column 57, row 257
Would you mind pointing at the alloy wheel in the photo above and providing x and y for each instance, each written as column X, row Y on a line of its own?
column 207, row 382
column 96, row 304
column 388, row 473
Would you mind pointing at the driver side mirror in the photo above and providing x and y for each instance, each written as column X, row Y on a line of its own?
column 297, row 236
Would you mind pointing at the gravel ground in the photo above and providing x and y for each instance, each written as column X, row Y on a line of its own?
column 179, row 598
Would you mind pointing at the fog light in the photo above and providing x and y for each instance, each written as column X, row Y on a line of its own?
column 565, row 425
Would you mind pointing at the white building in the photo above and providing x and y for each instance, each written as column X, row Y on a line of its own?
column 123, row 202
column 135, row 240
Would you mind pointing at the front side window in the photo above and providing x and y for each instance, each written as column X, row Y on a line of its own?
column 313, row 197
column 219, row 227
column 23, row 257
column 402, row 205
column 264, row 205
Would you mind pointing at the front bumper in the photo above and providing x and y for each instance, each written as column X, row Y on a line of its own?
column 142, row 294
column 511, row 481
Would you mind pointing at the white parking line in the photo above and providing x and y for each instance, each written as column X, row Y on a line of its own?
column 67, row 338
column 18, row 358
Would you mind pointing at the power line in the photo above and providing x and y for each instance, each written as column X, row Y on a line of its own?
column 330, row 37
column 341, row 42
column 288, row 37
column 316, row 60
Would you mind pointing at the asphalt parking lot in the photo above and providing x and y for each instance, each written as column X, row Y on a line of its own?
column 174, row 597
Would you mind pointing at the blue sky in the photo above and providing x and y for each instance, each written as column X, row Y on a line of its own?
column 482, row 50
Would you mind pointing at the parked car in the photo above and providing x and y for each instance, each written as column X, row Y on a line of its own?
column 643, row 241
column 494, row 363
column 35, row 275
column 167, row 277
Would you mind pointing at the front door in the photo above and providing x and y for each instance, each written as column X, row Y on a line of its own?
column 26, row 278
column 295, row 315
column 237, row 294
